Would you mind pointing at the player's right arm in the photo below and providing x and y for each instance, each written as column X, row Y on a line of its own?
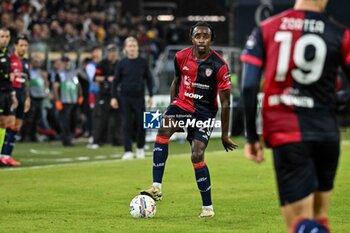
column 252, row 58
column 114, row 101
column 253, row 149
column 175, row 85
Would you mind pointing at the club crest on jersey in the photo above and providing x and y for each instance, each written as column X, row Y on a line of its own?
column 208, row 72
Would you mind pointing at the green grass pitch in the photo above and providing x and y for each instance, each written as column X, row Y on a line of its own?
column 80, row 190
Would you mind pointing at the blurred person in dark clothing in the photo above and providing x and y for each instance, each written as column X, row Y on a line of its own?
column 85, row 86
column 105, row 118
column 67, row 92
column 132, row 73
column 39, row 90
column 96, row 57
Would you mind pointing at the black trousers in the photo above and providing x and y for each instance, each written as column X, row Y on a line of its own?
column 67, row 117
column 32, row 119
column 107, row 122
column 132, row 109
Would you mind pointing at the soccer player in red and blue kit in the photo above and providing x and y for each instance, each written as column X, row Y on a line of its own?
column 8, row 100
column 20, row 71
column 300, row 51
column 200, row 75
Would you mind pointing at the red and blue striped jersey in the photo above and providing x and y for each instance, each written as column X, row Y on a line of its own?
column 200, row 81
column 300, row 52
column 20, row 70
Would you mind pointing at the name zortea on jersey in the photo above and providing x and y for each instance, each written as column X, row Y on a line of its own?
column 307, row 25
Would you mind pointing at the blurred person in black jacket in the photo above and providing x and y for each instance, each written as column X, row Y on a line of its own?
column 106, row 119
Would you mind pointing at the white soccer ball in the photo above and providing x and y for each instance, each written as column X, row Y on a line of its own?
column 142, row 206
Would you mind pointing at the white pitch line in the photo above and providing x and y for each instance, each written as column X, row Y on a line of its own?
column 88, row 162
column 42, row 152
column 345, row 142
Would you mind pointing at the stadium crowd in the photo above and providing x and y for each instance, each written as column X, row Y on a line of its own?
column 76, row 25
column 79, row 25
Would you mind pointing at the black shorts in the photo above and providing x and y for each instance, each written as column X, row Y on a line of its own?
column 21, row 97
column 193, row 132
column 305, row 167
column 5, row 103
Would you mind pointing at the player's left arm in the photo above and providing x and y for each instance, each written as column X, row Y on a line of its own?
column 224, row 86
column 225, row 118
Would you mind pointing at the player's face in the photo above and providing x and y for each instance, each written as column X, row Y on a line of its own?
column 131, row 49
column 21, row 48
column 4, row 38
column 201, row 39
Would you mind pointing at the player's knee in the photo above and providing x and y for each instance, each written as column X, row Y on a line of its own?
column 18, row 125
column 197, row 155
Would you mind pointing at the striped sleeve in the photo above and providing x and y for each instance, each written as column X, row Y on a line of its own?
column 253, row 51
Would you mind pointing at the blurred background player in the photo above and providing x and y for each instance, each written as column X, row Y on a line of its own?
column 200, row 74
column 20, row 84
column 8, row 100
column 106, row 119
column 300, row 51
column 131, row 76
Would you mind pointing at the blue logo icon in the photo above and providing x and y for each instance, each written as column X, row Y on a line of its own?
column 151, row 120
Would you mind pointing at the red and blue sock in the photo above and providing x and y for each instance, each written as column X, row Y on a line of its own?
column 160, row 155
column 310, row 226
column 10, row 141
column 203, row 181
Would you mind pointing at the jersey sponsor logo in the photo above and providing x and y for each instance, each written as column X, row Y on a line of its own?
column 193, row 95
column 187, row 81
column 251, row 42
column 290, row 100
column 208, row 72
column 307, row 25
column 20, row 80
column 200, row 86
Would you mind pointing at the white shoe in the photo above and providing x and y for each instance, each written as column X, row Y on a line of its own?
column 128, row 155
column 140, row 153
column 153, row 192
column 207, row 213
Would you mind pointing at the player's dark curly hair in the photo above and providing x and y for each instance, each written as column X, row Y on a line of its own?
column 202, row 24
